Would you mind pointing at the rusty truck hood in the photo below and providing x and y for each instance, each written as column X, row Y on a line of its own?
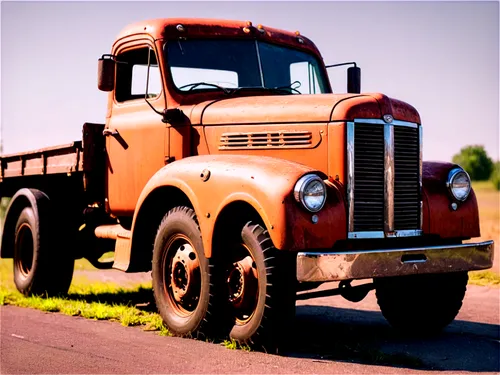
column 300, row 108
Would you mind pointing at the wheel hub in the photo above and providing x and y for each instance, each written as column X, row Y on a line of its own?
column 25, row 249
column 185, row 267
column 242, row 283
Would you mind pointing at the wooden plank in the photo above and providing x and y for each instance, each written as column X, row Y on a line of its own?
column 51, row 160
column 72, row 145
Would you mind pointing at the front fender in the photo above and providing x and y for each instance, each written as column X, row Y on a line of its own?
column 438, row 216
column 265, row 183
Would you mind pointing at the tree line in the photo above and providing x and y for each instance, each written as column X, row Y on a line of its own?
column 477, row 163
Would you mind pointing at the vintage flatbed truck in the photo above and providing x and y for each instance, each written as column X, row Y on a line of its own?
column 240, row 194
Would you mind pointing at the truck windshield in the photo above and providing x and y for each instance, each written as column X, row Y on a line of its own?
column 208, row 64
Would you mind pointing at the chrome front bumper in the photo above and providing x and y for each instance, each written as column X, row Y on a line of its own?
column 367, row 264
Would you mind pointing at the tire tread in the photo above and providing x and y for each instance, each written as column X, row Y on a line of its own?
column 421, row 305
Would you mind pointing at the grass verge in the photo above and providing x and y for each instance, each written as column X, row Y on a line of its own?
column 130, row 306
column 233, row 345
column 484, row 278
column 98, row 302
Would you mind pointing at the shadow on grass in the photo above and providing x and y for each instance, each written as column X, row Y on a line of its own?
column 324, row 333
column 142, row 298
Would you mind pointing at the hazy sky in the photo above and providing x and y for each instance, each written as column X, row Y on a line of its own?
column 441, row 57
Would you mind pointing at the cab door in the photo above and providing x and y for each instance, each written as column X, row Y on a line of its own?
column 135, row 133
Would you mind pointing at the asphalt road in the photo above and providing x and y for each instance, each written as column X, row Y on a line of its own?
column 331, row 336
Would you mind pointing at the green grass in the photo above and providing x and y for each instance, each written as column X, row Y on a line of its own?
column 130, row 306
column 234, row 345
column 84, row 264
column 96, row 301
column 484, row 278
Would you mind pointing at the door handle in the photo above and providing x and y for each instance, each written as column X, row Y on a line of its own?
column 114, row 133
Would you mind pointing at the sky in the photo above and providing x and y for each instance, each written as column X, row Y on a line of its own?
column 441, row 57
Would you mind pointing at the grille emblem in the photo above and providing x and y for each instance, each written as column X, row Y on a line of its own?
column 388, row 118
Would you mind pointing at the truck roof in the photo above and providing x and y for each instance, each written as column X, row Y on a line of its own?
column 166, row 28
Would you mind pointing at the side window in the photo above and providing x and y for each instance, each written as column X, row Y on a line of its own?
column 133, row 78
column 305, row 73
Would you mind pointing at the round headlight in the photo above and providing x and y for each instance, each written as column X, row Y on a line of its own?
column 310, row 190
column 458, row 184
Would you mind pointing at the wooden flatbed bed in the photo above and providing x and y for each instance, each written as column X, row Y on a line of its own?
column 70, row 170
column 65, row 159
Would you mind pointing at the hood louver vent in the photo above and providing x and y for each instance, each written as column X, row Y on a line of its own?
column 266, row 140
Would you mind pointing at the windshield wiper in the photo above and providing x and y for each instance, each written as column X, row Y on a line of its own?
column 290, row 87
column 198, row 84
column 278, row 90
column 284, row 90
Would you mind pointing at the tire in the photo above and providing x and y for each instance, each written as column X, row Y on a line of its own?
column 421, row 304
column 184, row 281
column 41, row 266
column 262, row 314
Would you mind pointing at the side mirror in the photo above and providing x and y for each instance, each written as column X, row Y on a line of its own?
column 354, row 80
column 353, row 77
column 106, row 73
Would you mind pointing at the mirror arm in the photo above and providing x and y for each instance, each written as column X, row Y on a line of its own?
column 153, row 108
column 342, row 64
column 353, row 77
column 168, row 115
column 147, row 88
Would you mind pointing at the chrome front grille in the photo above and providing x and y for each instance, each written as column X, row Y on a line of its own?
column 384, row 178
column 406, row 178
column 368, row 177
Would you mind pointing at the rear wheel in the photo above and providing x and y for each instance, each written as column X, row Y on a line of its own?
column 421, row 304
column 41, row 263
column 261, row 289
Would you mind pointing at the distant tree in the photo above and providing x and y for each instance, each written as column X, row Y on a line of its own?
column 495, row 175
column 475, row 161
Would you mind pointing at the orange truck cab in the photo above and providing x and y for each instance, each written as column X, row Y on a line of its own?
column 228, row 168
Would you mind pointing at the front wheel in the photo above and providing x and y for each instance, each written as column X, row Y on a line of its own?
column 261, row 289
column 184, row 282
column 421, row 304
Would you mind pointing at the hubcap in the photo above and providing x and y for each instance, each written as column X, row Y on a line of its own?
column 24, row 249
column 182, row 274
column 184, row 270
column 243, row 287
